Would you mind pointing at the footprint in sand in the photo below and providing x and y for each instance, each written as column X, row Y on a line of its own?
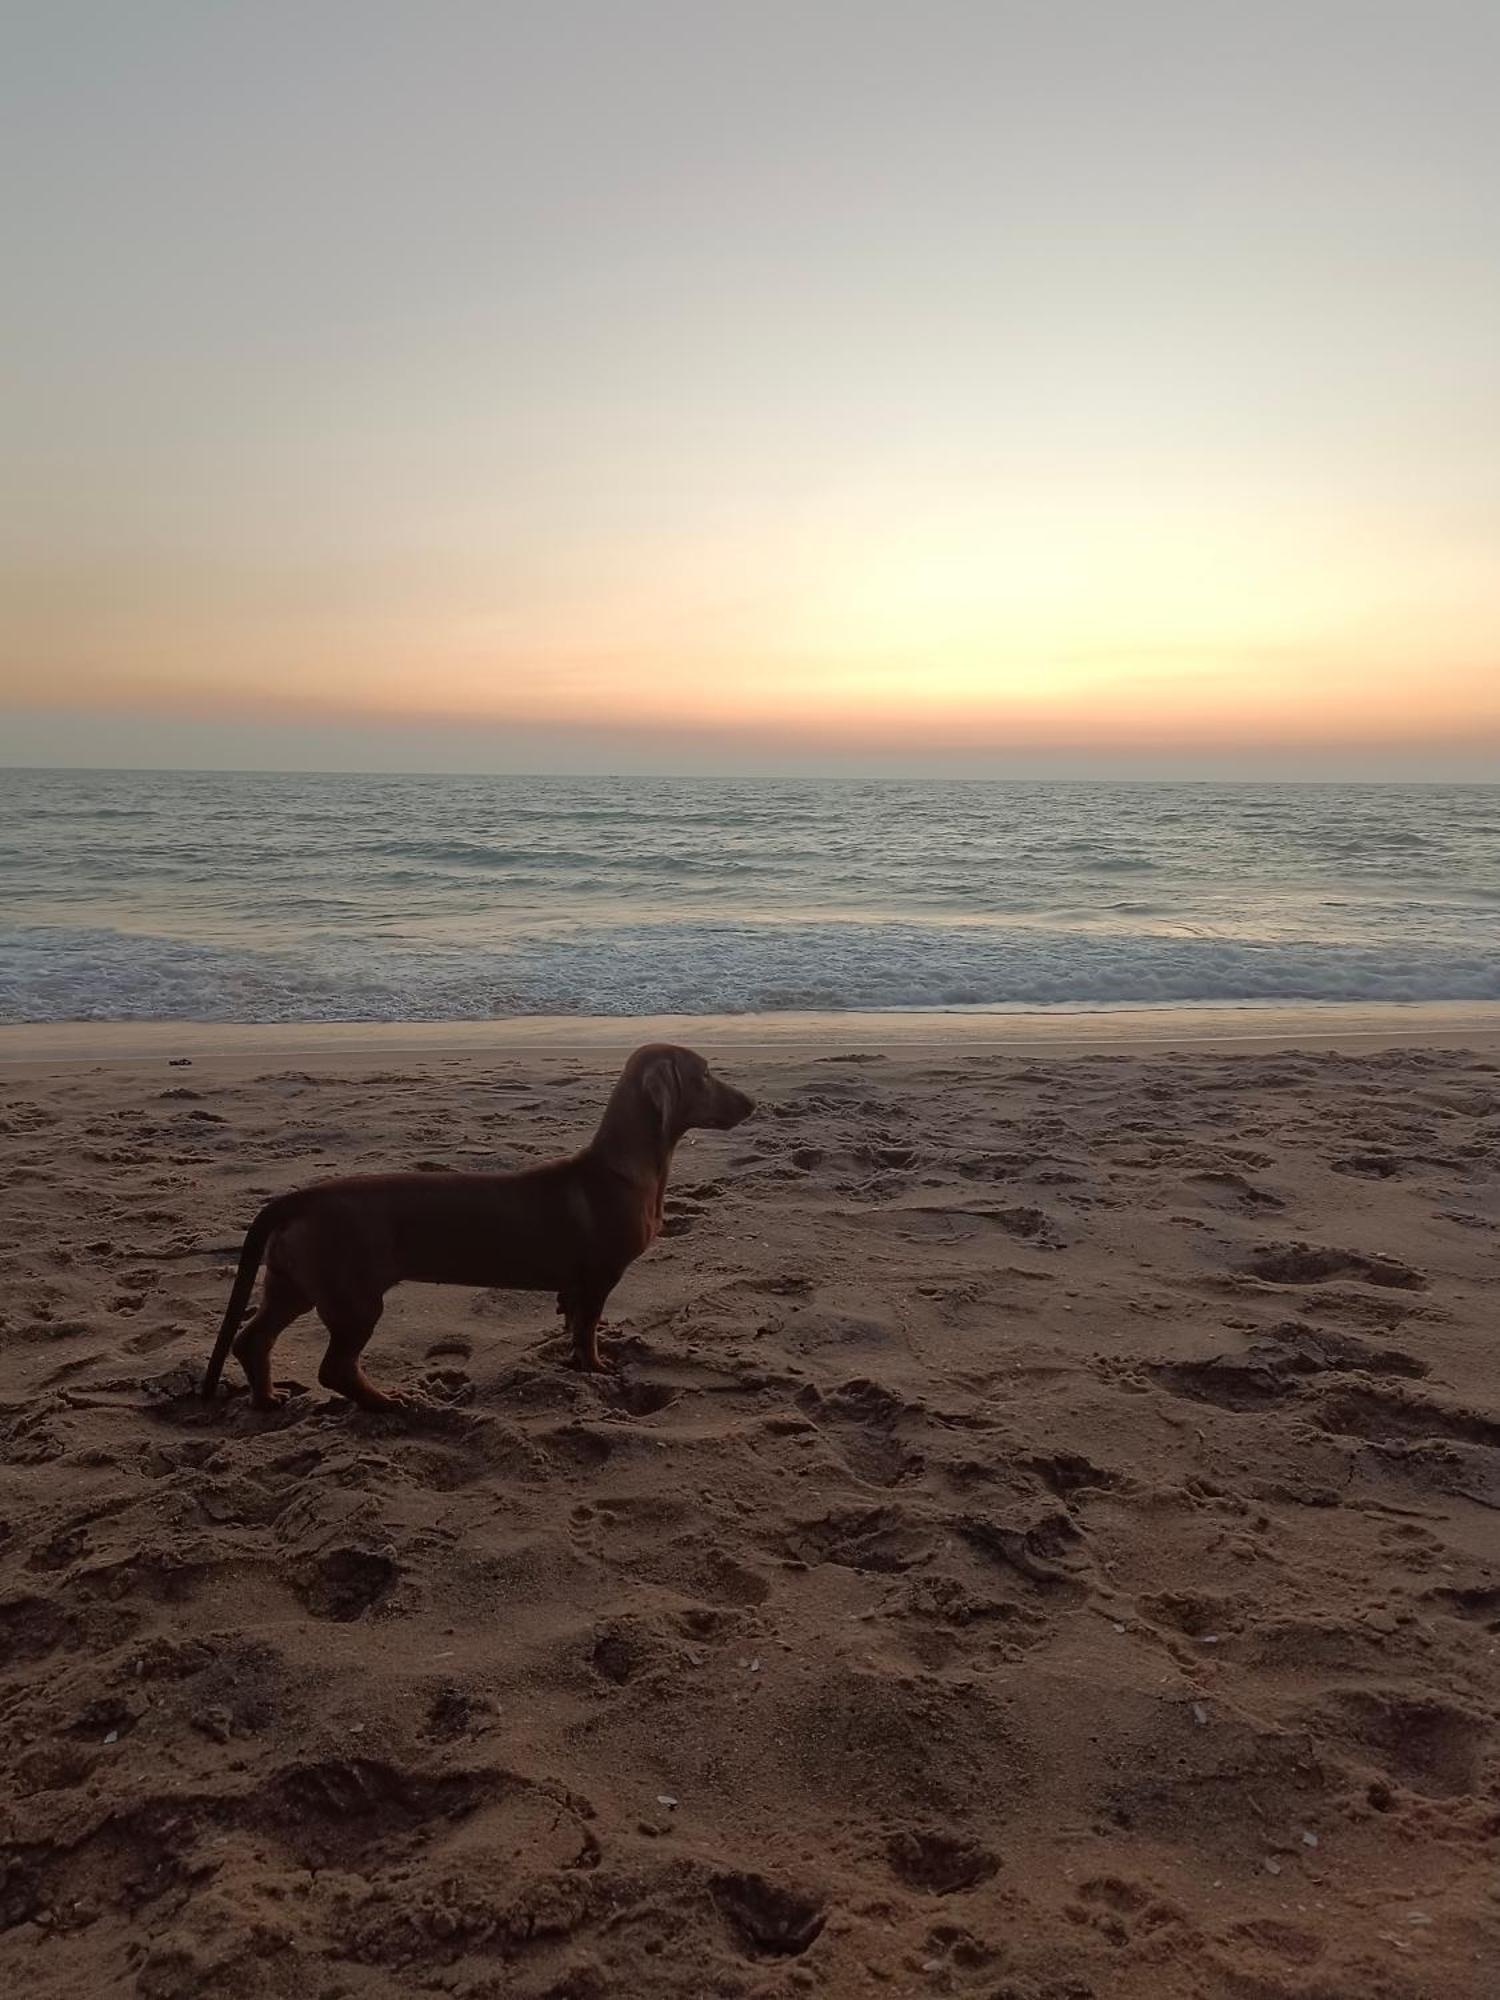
column 939, row 1864
column 1370, row 1166
column 1304, row 1264
column 1121, row 1909
column 1227, row 1189
column 455, row 1712
column 880, row 1541
column 861, row 1421
column 344, row 1584
column 446, row 1387
column 1385, row 1415
column 1478, row 1604
column 1423, row 1743
column 639, row 1399
column 766, row 1918
column 30, row 1629
column 150, row 1338
column 1270, row 1371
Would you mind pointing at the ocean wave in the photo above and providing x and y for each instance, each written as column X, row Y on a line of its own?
column 549, row 860
column 52, row 974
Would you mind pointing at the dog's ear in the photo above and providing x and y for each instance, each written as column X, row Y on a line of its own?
column 663, row 1092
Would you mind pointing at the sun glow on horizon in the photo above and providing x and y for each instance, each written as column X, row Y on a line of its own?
column 942, row 617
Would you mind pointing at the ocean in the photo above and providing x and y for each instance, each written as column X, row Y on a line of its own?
column 241, row 897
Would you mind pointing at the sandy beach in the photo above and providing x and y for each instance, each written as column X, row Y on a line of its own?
column 1042, row 1542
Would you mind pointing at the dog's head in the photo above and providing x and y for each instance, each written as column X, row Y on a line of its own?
column 684, row 1093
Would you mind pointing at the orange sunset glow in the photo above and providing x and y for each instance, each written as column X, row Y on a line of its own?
column 509, row 395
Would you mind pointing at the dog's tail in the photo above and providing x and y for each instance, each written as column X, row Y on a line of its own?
column 252, row 1251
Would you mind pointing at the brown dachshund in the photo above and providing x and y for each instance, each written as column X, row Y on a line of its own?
column 572, row 1227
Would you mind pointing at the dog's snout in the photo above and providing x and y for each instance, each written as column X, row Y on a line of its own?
column 736, row 1106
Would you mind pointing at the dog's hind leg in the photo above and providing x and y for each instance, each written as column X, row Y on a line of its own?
column 350, row 1322
column 281, row 1303
column 583, row 1306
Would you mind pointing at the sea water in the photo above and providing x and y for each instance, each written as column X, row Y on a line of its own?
column 245, row 897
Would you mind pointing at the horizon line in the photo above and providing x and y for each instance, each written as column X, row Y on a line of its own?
column 744, row 777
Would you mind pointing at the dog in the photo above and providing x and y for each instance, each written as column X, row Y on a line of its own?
column 572, row 1227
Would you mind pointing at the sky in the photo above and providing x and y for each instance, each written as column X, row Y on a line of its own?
column 1078, row 386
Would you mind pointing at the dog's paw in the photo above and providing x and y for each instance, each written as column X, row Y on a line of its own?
column 594, row 1364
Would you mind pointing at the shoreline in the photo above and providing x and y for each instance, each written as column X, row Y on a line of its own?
column 1355, row 1027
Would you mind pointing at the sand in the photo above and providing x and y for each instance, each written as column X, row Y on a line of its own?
column 1043, row 1542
